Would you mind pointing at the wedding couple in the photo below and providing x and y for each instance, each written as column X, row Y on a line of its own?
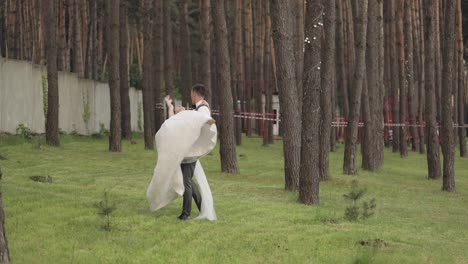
column 180, row 142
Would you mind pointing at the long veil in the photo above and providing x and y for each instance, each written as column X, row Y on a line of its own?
column 184, row 135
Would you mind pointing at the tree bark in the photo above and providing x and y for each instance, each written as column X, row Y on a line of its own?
column 410, row 73
column 438, row 60
column 186, row 74
column 311, row 147
column 461, row 83
column 158, row 65
column 395, row 88
column 77, row 48
column 214, row 71
column 430, row 38
column 327, row 83
column 350, row 155
column 17, row 33
column 231, row 24
column 61, row 40
column 448, row 142
column 421, row 73
column 259, row 53
column 249, row 66
column 372, row 139
column 341, row 74
column 227, row 142
column 240, row 69
column 350, row 53
column 124, row 73
column 299, row 8
column 112, row 16
column 283, row 41
column 268, row 76
column 95, row 43
column 50, row 30
column 148, row 103
column 402, row 77
column 205, row 21
column 168, row 49
column 3, row 34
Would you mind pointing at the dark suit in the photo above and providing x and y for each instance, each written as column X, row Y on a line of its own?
column 191, row 189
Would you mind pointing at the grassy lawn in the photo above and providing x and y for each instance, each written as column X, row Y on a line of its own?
column 258, row 222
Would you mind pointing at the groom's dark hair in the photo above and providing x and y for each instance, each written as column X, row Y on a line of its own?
column 199, row 89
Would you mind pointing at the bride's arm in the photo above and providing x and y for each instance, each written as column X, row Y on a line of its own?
column 170, row 107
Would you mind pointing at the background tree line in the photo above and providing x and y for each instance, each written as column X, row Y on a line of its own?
column 380, row 62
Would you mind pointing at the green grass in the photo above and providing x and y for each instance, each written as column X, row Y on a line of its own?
column 258, row 222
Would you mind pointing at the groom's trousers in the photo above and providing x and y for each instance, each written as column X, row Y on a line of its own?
column 191, row 189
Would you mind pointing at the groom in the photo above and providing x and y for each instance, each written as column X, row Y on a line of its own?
column 188, row 165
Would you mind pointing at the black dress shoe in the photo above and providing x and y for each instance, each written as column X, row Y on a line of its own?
column 183, row 216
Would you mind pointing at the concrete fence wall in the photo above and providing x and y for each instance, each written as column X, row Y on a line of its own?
column 22, row 100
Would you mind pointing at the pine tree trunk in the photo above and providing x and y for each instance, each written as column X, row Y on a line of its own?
column 3, row 32
column 372, row 139
column 410, row 73
column 350, row 156
column 461, row 83
column 449, row 55
column 274, row 86
column 95, row 43
column 62, row 42
column 430, row 38
column 380, row 93
column 186, row 74
column 395, row 88
column 249, row 66
column 231, row 24
column 298, row 12
column 158, row 60
column 268, row 76
column 227, row 142
column 113, row 25
column 283, row 41
column 147, row 82
column 12, row 43
column 311, row 115
column 259, row 53
column 77, row 48
column 87, row 38
column 38, row 39
column 214, row 71
column 2, row 29
column 240, row 69
column 267, row 73
column 387, row 72
column 27, row 31
column 50, row 30
column 205, row 21
column 124, row 72
column 341, row 73
column 419, row 40
column 350, row 53
column 17, row 33
column 168, row 50
column 327, row 83
column 438, row 61
column 402, row 77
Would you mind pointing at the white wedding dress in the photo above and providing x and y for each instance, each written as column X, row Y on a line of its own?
column 187, row 134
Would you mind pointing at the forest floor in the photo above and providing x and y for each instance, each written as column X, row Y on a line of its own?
column 258, row 222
